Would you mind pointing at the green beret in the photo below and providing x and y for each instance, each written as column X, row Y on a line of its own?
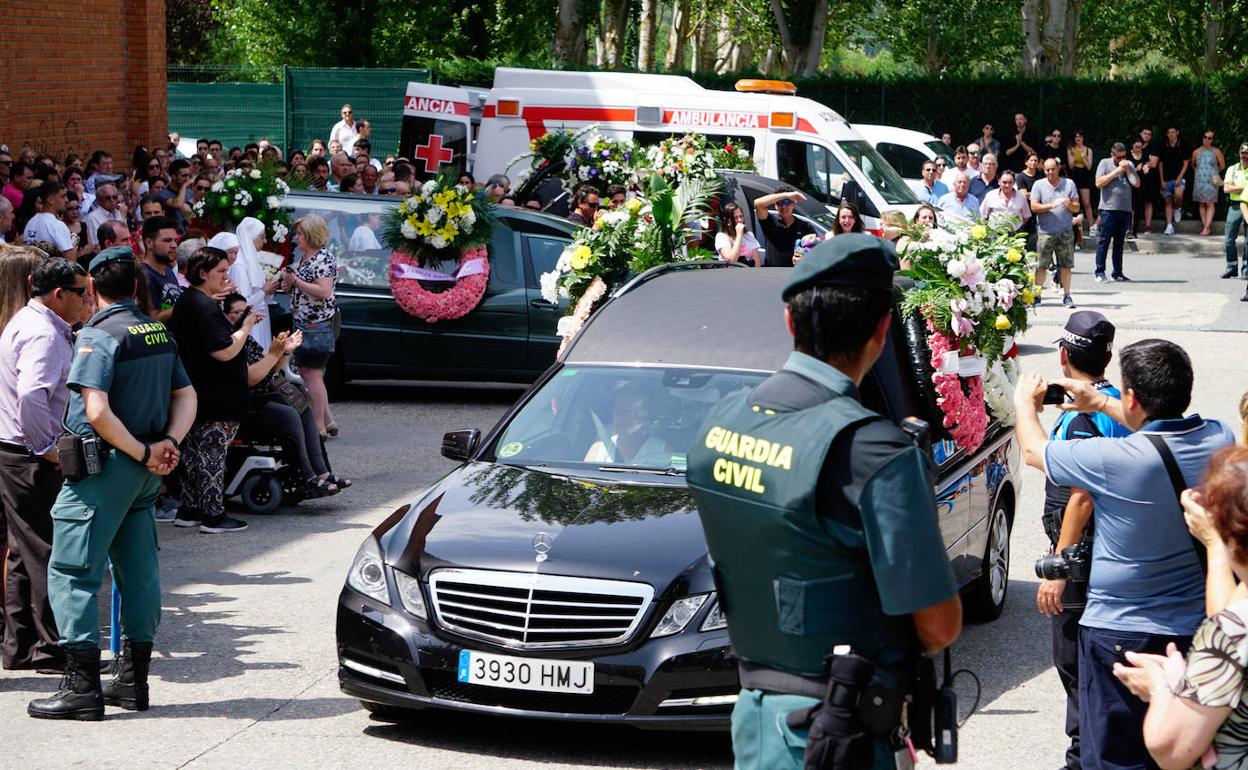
column 851, row 259
column 111, row 254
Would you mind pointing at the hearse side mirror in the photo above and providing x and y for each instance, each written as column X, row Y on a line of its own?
column 460, row 444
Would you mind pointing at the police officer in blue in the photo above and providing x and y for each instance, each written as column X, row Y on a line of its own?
column 832, row 553
column 130, row 405
column 1085, row 351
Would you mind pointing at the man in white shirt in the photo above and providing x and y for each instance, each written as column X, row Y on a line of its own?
column 345, row 130
column 960, row 202
column 108, row 210
column 960, row 158
column 46, row 225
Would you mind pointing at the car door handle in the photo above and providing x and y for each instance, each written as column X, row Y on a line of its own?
column 541, row 304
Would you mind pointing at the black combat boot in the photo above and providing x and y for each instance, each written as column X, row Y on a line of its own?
column 128, row 687
column 80, row 696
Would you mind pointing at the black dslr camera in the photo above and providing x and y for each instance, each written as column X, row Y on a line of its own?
column 1073, row 563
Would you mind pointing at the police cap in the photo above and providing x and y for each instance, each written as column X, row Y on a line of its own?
column 1088, row 330
column 850, row 259
column 111, row 254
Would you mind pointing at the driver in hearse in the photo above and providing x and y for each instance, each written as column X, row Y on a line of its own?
column 821, row 521
column 632, row 441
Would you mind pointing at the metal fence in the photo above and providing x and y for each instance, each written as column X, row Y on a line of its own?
column 291, row 106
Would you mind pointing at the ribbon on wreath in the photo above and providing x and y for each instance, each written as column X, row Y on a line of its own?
column 963, row 366
column 405, row 271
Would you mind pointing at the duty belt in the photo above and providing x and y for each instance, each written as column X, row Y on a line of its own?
column 756, row 677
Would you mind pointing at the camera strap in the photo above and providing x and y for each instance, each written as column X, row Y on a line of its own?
column 1179, row 484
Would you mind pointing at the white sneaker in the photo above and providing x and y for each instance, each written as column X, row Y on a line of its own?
column 1178, row 214
column 1169, row 229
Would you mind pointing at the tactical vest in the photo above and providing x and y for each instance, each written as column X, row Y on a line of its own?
column 790, row 588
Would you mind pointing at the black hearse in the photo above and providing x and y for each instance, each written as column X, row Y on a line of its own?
column 541, row 578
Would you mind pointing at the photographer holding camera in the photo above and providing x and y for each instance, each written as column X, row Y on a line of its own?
column 1085, row 352
column 1147, row 586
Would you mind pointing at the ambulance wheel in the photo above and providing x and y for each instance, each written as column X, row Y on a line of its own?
column 261, row 494
column 986, row 598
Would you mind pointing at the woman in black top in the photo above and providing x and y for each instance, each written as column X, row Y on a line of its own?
column 212, row 353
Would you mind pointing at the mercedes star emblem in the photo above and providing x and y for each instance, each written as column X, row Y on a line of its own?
column 541, row 544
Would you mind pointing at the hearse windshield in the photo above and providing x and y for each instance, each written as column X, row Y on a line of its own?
column 616, row 419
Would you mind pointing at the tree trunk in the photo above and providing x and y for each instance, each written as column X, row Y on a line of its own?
column 771, row 61
column 932, row 64
column 1213, row 32
column 645, row 35
column 1033, row 52
column 818, row 35
column 569, row 36
column 705, row 43
column 678, row 37
column 614, row 31
column 803, row 48
column 1070, row 38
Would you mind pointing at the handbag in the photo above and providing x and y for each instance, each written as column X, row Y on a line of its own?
column 1216, row 180
column 318, row 337
column 291, row 393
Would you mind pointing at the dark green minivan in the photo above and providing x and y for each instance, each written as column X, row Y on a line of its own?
column 509, row 337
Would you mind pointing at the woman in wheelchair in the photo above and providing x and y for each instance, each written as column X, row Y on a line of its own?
column 279, row 412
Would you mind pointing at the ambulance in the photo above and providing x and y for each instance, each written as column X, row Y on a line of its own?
column 793, row 139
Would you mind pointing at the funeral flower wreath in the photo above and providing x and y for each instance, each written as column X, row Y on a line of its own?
column 441, row 221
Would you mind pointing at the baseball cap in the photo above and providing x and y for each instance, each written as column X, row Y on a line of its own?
column 1088, row 330
column 850, row 259
column 1243, row 147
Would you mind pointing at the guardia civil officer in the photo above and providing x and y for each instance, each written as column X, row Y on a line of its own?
column 130, row 404
column 835, row 547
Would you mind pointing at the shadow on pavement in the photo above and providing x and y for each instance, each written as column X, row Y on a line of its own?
column 555, row 742
column 265, row 709
column 1006, row 653
column 197, row 643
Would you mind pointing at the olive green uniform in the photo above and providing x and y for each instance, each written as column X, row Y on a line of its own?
column 821, row 521
column 111, row 514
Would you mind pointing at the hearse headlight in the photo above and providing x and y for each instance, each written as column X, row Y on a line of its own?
column 679, row 615
column 410, row 594
column 715, row 620
column 368, row 574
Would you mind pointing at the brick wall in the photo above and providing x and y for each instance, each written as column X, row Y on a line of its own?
column 81, row 76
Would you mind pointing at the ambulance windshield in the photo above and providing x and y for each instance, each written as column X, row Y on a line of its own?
column 882, row 176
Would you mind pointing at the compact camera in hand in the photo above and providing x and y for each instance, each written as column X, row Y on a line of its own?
column 1073, row 563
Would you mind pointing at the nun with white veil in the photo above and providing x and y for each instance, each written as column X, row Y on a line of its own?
column 249, row 276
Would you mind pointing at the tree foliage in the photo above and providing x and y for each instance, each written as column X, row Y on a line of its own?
column 783, row 37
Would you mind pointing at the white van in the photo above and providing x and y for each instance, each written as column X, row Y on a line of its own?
column 905, row 150
column 793, row 139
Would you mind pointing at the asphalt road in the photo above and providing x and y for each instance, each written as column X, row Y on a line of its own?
column 245, row 670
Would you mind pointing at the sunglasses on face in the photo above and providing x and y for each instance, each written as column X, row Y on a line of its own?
column 785, row 202
column 591, row 205
column 929, row 170
column 387, row 190
column 974, row 154
column 203, row 187
column 81, row 291
column 1209, row 136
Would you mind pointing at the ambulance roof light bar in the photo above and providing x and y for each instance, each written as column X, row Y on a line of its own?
column 755, row 85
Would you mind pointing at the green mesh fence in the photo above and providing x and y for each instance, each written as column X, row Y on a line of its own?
column 316, row 95
column 227, row 103
column 235, row 113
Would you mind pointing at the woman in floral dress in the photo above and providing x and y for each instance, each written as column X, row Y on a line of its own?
column 1197, row 712
column 1209, row 163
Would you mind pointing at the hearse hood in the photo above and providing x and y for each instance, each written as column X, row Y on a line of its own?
column 502, row 517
